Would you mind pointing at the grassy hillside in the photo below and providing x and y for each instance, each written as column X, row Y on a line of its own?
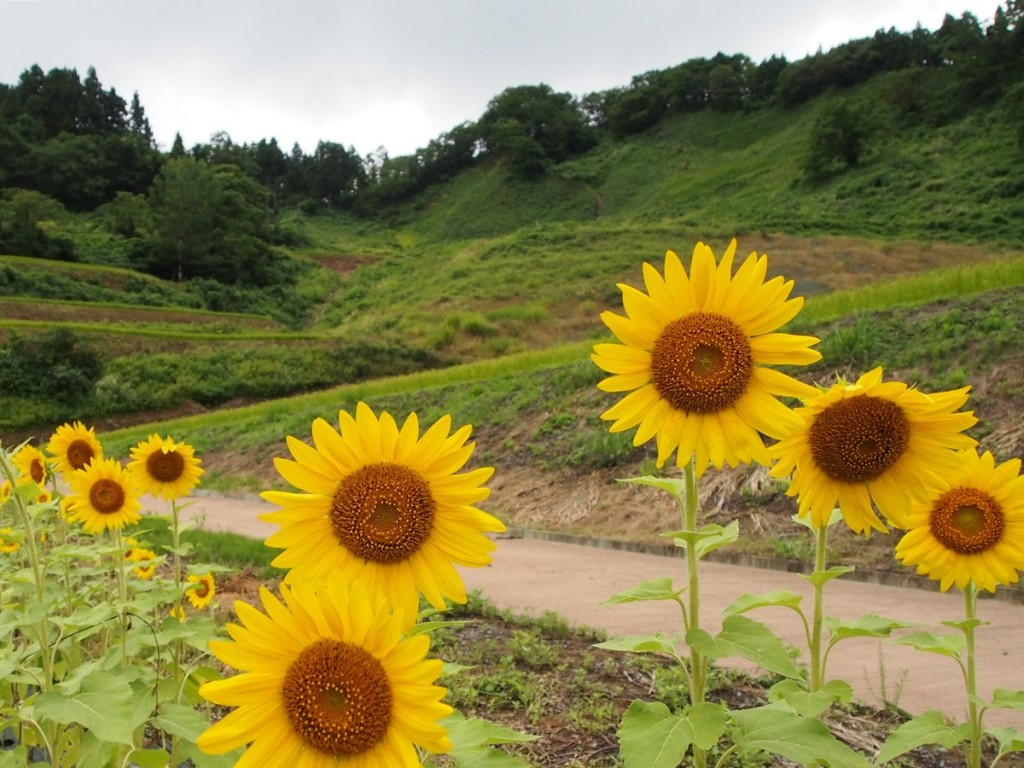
column 484, row 265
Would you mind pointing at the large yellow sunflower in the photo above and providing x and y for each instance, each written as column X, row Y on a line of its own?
column 31, row 465
column 693, row 358
column 103, row 495
column 972, row 529
column 383, row 505
column 871, row 441
column 164, row 468
column 328, row 681
column 72, row 447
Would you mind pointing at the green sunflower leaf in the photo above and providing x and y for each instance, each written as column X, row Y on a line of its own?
column 809, row 704
column 804, row 740
column 749, row 639
column 819, row 578
column 474, row 740
column 674, row 485
column 929, row 642
column 102, row 706
column 652, row 737
column 656, row 642
column 707, row 539
column 1010, row 740
column 930, row 727
column 1004, row 698
column 652, row 589
column 180, row 720
column 868, row 625
column 780, row 598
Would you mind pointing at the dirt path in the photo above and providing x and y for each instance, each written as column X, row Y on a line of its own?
column 533, row 576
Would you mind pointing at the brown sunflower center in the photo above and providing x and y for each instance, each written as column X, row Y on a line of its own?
column 856, row 440
column 383, row 512
column 37, row 471
column 701, row 363
column 79, row 453
column 337, row 697
column 967, row 521
column 203, row 588
column 165, row 467
column 106, row 496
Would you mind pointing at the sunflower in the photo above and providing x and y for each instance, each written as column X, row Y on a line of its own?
column 693, row 358
column 73, row 446
column 43, row 497
column 145, row 560
column 177, row 613
column 202, row 594
column 972, row 529
column 103, row 495
column 5, row 491
column 164, row 468
column 327, row 680
column 871, row 441
column 8, row 545
column 384, row 505
column 31, row 465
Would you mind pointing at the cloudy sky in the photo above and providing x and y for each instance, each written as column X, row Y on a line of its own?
column 397, row 73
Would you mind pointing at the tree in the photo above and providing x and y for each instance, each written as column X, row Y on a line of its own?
column 57, row 365
column 837, row 140
column 138, row 123
column 184, row 199
column 520, row 120
column 210, row 222
column 30, row 226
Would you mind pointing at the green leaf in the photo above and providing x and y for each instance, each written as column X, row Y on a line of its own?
column 149, row 758
column 965, row 625
column 804, row 740
column 868, row 625
column 657, row 642
column 944, row 645
column 1005, row 698
column 426, row 627
column 652, row 737
column 929, row 727
column 652, row 589
column 709, row 722
column 707, row 539
column 835, row 516
column 1010, row 740
column 818, row 578
column 808, row 704
column 179, row 720
column 451, row 668
column 674, row 485
column 749, row 639
column 782, row 598
column 103, row 706
column 14, row 758
column 200, row 759
column 473, row 741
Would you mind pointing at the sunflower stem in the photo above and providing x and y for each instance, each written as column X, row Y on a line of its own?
column 698, row 664
column 42, row 629
column 122, row 591
column 973, row 752
column 177, row 644
column 817, row 660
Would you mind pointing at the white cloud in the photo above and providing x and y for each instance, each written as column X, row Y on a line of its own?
column 398, row 73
